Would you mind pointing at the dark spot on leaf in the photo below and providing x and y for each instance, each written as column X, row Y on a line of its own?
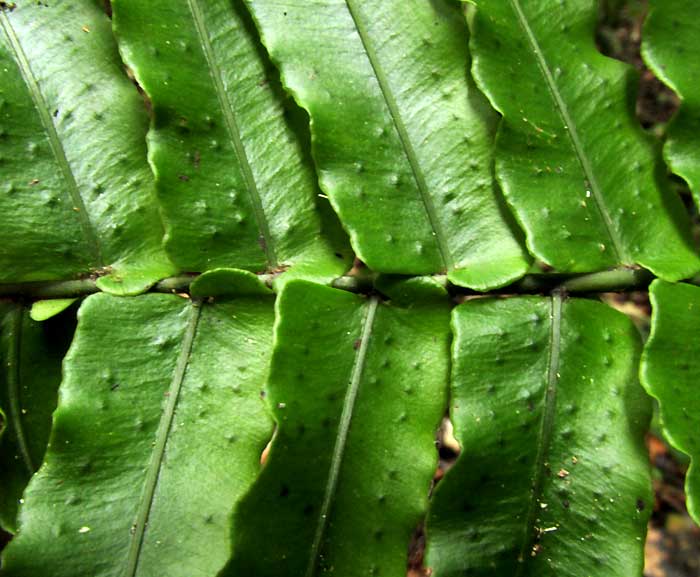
column 184, row 178
column 284, row 491
column 356, row 344
column 641, row 505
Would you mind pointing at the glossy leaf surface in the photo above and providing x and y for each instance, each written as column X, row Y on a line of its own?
column 402, row 139
column 76, row 192
column 670, row 49
column 236, row 186
column 671, row 373
column 572, row 160
column 553, row 478
column 30, row 361
column 358, row 388
column 158, row 432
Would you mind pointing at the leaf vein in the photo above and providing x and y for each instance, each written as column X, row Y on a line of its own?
column 158, row 454
column 234, row 134
column 545, row 435
column 572, row 131
column 13, row 381
column 91, row 238
column 343, row 430
column 406, row 143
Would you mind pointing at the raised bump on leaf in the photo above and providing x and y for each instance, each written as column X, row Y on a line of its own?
column 357, row 388
column 144, row 422
column 77, row 196
column 553, row 478
column 237, row 188
column 402, row 139
column 584, row 180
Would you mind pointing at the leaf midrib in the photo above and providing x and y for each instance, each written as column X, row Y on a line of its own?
column 343, row 430
column 234, row 134
column 91, row 239
column 409, row 151
column 13, row 384
column 572, row 131
column 545, row 436
column 158, row 453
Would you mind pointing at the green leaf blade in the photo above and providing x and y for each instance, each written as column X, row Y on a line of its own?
column 141, row 426
column 86, row 204
column 357, row 389
column 402, row 140
column 236, row 186
column 30, row 355
column 667, row 38
column 553, row 478
column 670, row 373
column 45, row 309
column 572, row 160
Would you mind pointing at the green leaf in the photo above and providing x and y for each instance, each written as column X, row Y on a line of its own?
column 158, row 432
column 358, row 388
column 228, row 281
column 77, row 194
column 402, row 139
column 553, row 479
column 236, row 187
column 670, row 50
column 583, row 179
column 46, row 309
column 670, row 372
column 30, row 358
